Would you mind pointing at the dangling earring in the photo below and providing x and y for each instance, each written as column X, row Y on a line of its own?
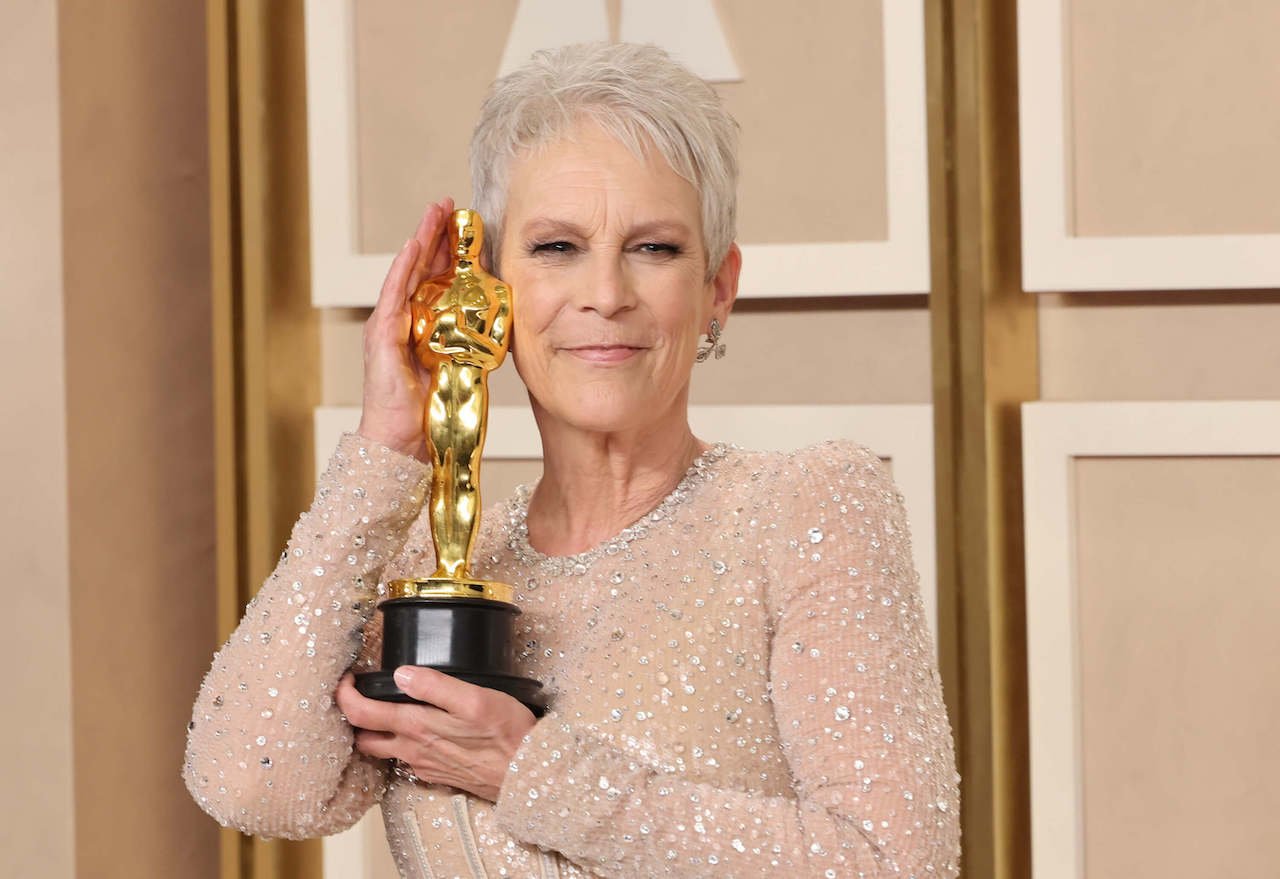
column 711, row 344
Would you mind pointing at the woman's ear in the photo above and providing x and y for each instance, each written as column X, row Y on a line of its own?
column 725, row 284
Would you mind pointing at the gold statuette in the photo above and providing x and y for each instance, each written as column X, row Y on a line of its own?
column 461, row 329
column 453, row 621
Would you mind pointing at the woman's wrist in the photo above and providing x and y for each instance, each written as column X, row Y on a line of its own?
column 412, row 447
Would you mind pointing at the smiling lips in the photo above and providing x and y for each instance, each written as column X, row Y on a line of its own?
column 604, row 353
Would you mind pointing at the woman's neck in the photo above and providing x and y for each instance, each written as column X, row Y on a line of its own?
column 595, row 484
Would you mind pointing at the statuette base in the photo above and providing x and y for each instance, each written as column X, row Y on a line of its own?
column 468, row 638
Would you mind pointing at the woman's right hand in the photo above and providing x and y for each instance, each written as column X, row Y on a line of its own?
column 395, row 383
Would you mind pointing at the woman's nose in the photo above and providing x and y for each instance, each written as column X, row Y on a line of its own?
column 607, row 289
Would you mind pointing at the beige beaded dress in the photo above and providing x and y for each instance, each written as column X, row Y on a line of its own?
column 741, row 683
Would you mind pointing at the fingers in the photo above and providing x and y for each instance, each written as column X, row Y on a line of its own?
column 436, row 256
column 421, row 722
column 447, row 693
column 379, row 745
column 369, row 714
column 464, row 738
column 435, row 763
column 434, row 228
column 416, row 258
column 427, row 236
column 391, row 298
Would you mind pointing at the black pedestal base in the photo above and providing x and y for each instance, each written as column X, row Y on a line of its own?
column 467, row 638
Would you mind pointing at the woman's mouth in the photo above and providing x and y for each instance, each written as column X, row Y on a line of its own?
column 604, row 353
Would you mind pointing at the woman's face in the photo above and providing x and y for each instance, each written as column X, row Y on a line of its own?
column 605, row 254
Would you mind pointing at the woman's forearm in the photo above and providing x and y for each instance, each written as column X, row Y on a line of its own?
column 268, row 752
column 613, row 812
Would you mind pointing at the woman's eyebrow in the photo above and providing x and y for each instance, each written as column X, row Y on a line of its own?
column 659, row 227
column 538, row 226
column 552, row 226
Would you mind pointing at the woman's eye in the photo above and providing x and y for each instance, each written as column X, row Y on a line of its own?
column 659, row 247
column 553, row 247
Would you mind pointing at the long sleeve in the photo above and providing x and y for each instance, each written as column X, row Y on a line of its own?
column 858, row 706
column 268, row 752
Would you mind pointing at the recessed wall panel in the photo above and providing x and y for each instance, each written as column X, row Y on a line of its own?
column 1174, row 117
column 1147, row 135
column 1178, row 596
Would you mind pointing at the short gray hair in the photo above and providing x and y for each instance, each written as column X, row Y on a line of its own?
column 636, row 93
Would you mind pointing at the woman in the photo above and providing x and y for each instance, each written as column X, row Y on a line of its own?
column 740, row 675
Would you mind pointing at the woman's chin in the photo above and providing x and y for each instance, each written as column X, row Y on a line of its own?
column 597, row 410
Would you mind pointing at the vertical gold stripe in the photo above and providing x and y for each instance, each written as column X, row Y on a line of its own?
column 985, row 364
column 279, row 331
column 258, row 548
column 220, row 39
column 224, row 272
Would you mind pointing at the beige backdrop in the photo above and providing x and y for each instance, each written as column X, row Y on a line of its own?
column 1174, row 129
column 813, row 133
column 139, row 422
column 1174, row 116
column 1178, row 599
column 108, row 510
column 37, row 812
column 1210, row 345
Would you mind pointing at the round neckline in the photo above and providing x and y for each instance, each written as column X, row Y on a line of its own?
column 699, row 471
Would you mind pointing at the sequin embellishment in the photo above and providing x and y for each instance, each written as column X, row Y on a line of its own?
column 577, row 565
column 743, row 683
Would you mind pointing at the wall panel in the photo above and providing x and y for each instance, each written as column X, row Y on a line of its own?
column 1177, row 589
column 1174, row 122
column 1181, row 345
column 37, row 814
column 139, row 427
column 1151, row 587
column 1148, row 136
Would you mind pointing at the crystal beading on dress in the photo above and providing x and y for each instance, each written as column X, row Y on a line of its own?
column 742, row 683
column 638, row 530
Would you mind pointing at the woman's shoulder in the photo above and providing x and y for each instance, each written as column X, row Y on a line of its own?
column 837, row 475
column 839, row 460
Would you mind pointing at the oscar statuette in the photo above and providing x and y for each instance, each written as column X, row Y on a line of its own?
column 452, row 621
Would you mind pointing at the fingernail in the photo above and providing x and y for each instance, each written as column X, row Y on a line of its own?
column 403, row 676
column 407, row 242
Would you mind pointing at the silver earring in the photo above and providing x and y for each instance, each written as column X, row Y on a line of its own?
column 711, row 344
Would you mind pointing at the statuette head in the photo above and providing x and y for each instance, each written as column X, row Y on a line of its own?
column 467, row 234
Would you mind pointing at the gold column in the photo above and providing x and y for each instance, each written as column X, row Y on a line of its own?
column 266, row 334
column 984, row 364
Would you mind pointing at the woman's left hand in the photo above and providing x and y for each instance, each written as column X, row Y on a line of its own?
column 465, row 737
